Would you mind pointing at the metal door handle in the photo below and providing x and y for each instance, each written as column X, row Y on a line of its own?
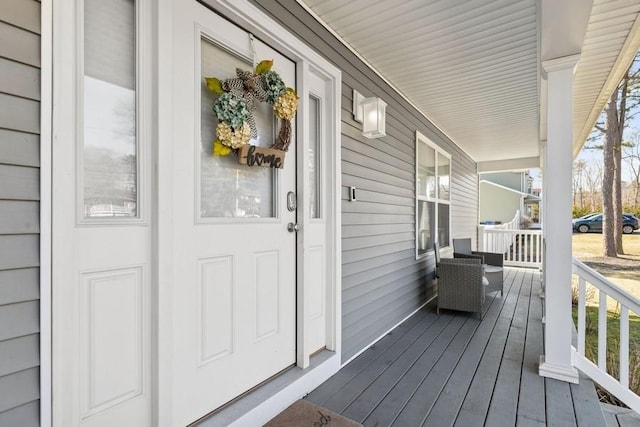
column 291, row 227
column 292, row 203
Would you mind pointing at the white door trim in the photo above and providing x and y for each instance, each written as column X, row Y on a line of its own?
column 46, row 92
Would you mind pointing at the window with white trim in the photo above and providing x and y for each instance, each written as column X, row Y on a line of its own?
column 433, row 195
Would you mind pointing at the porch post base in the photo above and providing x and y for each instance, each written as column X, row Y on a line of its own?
column 563, row 373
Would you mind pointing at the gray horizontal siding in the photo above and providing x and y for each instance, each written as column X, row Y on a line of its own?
column 19, row 113
column 19, row 319
column 19, row 212
column 19, row 285
column 382, row 282
column 13, row 352
column 19, row 79
column 23, row 14
column 27, row 415
column 24, row 46
column 19, row 388
column 19, row 148
column 19, row 183
column 19, row 217
column 19, row 251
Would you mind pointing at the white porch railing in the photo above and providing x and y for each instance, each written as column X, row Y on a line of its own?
column 497, row 243
column 521, row 248
column 619, row 387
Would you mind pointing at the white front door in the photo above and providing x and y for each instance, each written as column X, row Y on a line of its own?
column 233, row 259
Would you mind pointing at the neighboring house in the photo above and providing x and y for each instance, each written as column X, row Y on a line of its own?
column 144, row 282
column 505, row 194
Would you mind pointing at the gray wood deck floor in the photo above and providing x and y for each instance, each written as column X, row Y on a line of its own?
column 454, row 369
column 616, row 416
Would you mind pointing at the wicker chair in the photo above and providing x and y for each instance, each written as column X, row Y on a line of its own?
column 493, row 262
column 460, row 283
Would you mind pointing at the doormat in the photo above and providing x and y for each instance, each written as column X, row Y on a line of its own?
column 305, row 414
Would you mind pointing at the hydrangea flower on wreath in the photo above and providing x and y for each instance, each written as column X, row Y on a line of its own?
column 236, row 103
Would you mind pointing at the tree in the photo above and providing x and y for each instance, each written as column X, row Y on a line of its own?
column 631, row 155
column 593, row 181
column 579, row 167
column 610, row 140
column 622, row 105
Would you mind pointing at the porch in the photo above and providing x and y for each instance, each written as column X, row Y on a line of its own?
column 454, row 369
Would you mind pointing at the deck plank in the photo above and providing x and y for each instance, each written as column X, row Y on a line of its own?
column 478, row 399
column 610, row 419
column 531, row 404
column 628, row 420
column 446, row 408
column 586, row 403
column 559, row 404
column 419, row 407
column 341, row 378
column 454, row 369
column 504, row 402
column 416, row 410
column 423, row 356
column 340, row 401
column 522, row 421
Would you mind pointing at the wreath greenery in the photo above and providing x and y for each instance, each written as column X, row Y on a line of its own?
column 237, row 101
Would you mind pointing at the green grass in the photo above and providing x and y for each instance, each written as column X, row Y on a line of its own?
column 613, row 329
column 624, row 271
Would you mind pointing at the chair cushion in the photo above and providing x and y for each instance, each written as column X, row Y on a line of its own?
column 492, row 268
column 462, row 246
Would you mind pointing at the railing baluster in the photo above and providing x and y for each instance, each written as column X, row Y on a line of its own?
column 602, row 331
column 582, row 318
column 624, row 346
column 628, row 303
column 520, row 248
column 540, row 248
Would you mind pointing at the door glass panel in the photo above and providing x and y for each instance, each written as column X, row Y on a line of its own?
column 227, row 188
column 314, row 156
column 109, row 144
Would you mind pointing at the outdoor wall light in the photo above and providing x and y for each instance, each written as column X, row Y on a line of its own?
column 371, row 112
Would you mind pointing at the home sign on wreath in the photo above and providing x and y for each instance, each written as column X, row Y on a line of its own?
column 235, row 107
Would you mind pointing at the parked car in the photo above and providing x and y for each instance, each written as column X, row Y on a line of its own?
column 593, row 222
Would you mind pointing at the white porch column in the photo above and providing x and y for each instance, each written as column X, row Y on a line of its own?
column 558, row 160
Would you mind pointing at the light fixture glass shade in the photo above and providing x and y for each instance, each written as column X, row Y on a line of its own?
column 374, row 114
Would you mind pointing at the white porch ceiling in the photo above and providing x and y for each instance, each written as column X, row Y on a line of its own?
column 472, row 67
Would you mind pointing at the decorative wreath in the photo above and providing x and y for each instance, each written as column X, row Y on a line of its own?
column 237, row 102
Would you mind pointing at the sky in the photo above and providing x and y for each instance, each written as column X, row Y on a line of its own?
column 594, row 156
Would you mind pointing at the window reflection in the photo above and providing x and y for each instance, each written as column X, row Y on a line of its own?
column 227, row 188
column 314, row 156
column 426, row 171
column 426, row 223
column 109, row 150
